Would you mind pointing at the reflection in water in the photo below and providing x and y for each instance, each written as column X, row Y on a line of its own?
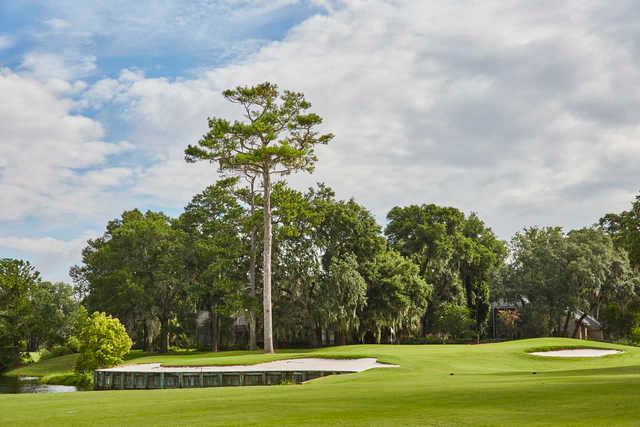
column 31, row 385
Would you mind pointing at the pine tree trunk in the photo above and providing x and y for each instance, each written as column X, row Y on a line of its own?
column 252, row 274
column 266, row 267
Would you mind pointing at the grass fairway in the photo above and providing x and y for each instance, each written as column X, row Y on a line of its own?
column 493, row 384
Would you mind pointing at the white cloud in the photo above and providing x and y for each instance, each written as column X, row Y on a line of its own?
column 172, row 183
column 52, row 161
column 46, row 66
column 42, row 245
column 52, row 257
column 519, row 112
column 525, row 112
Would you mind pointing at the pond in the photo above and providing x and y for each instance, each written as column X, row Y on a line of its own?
column 31, row 385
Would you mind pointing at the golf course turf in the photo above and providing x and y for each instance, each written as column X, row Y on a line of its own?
column 487, row 384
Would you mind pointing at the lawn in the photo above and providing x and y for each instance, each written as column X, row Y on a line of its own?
column 55, row 366
column 488, row 384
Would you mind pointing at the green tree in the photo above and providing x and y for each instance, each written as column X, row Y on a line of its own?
column 397, row 297
column 297, row 269
column 313, row 232
column 538, row 271
column 453, row 320
column 52, row 307
column 624, row 229
column 18, row 281
column 278, row 137
column 213, row 221
column 459, row 255
column 137, row 271
column 342, row 295
column 103, row 343
column 563, row 273
column 77, row 321
column 598, row 271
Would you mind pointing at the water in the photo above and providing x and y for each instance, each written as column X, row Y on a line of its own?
column 31, row 385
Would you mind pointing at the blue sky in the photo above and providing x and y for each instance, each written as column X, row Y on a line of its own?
column 168, row 38
column 523, row 112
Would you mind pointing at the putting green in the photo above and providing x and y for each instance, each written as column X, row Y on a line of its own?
column 489, row 384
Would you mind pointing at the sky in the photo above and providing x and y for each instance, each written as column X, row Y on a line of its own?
column 524, row 112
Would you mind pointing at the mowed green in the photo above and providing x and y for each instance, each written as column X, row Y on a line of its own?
column 488, row 384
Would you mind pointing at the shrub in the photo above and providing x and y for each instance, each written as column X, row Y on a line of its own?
column 79, row 380
column 55, row 351
column 634, row 335
column 103, row 343
column 453, row 320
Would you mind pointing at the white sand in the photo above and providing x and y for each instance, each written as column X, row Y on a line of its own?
column 306, row 364
column 577, row 352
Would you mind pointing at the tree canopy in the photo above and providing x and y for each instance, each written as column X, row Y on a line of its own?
column 455, row 253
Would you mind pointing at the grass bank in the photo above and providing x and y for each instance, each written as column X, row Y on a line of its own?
column 56, row 370
column 487, row 384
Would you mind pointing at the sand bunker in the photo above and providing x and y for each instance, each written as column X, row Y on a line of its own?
column 297, row 365
column 577, row 352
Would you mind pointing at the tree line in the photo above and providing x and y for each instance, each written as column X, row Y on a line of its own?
column 328, row 274
column 338, row 277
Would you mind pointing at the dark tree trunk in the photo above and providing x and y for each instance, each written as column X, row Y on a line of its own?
column 164, row 335
column 317, row 336
column 145, row 335
column 565, row 328
column 341, row 337
column 213, row 330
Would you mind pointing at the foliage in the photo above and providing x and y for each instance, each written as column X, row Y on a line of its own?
column 33, row 313
column 397, row 296
column 634, row 335
column 453, row 320
column 620, row 318
column 103, row 343
column 624, row 229
column 137, row 271
column 18, row 281
column 562, row 273
column 75, row 379
column 317, row 240
column 458, row 254
column 342, row 295
column 213, row 223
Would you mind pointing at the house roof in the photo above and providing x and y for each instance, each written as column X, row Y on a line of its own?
column 589, row 321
